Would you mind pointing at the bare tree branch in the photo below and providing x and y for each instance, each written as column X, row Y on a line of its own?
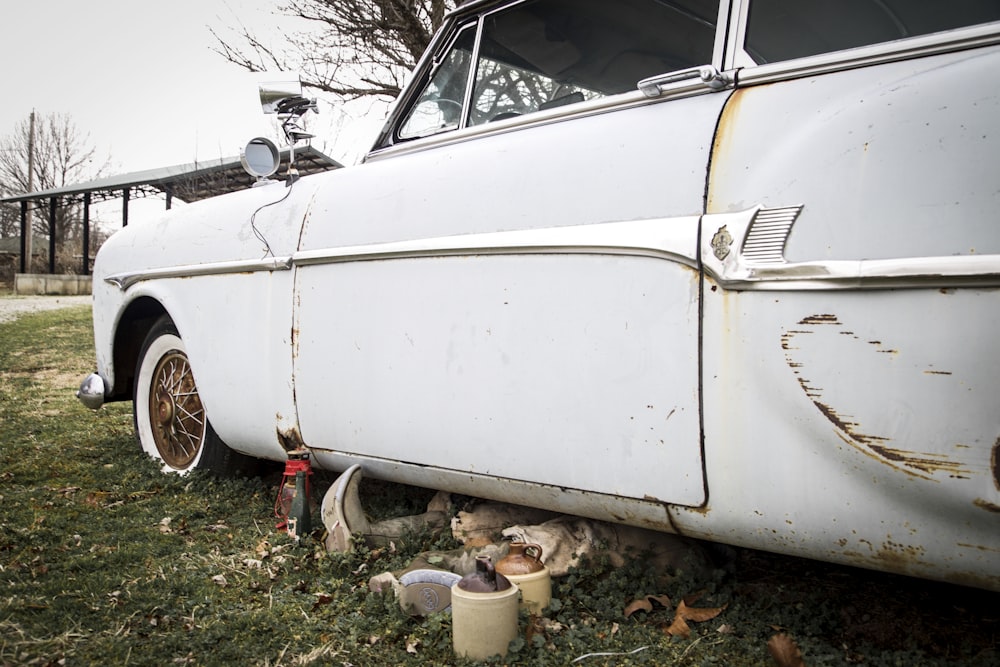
column 353, row 49
column 63, row 155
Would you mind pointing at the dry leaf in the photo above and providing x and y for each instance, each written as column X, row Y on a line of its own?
column 646, row 604
column 95, row 498
column 533, row 628
column 684, row 613
column 219, row 579
column 549, row 625
column 678, row 628
column 411, row 646
column 321, row 599
column 638, row 605
column 698, row 614
column 263, row 549
column 785, row 651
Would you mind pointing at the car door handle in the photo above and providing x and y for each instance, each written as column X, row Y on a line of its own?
column 711, row 77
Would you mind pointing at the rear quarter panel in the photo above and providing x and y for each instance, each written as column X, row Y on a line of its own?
column 859, row 422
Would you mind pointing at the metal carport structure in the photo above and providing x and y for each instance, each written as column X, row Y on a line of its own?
column 187, row 182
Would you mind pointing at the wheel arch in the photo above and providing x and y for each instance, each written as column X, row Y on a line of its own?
column 133, row 326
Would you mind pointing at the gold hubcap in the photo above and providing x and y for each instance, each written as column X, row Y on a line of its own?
column 176, row 413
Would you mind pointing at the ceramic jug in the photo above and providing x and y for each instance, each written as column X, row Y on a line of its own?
column 523, row 566
column 483, row 612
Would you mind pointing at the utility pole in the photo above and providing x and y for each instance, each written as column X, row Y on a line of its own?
column 29, row 233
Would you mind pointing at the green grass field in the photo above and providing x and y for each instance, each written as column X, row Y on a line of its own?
column 104, row 560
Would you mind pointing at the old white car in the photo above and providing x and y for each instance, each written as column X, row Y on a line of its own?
column 725, row 269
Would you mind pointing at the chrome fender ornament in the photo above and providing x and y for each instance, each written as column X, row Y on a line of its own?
column 721, row 243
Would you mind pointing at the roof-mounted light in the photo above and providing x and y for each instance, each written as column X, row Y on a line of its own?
column 285, row 99
column 260, row 158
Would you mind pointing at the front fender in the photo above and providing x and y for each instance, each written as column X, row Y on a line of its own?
column 244, row 380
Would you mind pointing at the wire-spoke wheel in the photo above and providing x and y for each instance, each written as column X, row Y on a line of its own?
column 170, row 419
column 178, row 417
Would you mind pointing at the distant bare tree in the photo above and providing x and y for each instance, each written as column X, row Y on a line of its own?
column 63, row 155
column 10, row 221
column 360, row 48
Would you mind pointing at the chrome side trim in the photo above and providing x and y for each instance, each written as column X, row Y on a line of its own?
column 922, row 272
column 739, row 251
column 126, row 279
column 760, row 233
column 671, row 239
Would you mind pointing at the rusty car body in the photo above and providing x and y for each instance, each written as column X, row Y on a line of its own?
column 725, row 269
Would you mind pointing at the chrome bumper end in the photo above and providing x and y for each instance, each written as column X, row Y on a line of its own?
column 92, row 391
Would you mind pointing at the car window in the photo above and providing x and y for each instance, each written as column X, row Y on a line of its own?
column 439, row 107
column 784, row 29
column 542, row 54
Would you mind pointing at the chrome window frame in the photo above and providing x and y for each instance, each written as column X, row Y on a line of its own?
column 387, row 143
column 751, row 73
column 436, row 62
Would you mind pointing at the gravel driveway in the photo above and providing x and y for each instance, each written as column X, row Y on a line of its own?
column 11, row 307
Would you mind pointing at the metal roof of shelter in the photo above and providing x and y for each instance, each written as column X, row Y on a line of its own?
column 187, row 182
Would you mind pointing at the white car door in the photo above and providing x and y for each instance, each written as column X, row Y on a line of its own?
column 509, row 287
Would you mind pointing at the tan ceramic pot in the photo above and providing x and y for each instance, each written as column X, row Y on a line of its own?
column 482, row 624
column 523, row 566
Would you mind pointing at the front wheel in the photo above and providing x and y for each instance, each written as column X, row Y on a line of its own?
column 170, row 420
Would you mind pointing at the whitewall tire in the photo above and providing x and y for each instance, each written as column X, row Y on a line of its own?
column 170, row 419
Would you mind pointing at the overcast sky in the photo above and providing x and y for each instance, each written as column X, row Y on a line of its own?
column 141, row 78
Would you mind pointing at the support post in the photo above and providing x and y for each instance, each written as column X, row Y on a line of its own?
column 52, row 235
column 25, row 229
column 86, row 234
column 30, row 239
column 125, row 194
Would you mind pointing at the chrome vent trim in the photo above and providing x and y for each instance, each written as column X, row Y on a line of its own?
column 765, row 240
column 761, row 234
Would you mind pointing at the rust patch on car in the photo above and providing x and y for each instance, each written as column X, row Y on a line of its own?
column 986, row 505
column 721, row 161
column 925, row 462
column 979, row 547
column 820, row 319
column 291, row 439
column 898, row 556
column 995, row 463
column 890, row 555
column 919, row 464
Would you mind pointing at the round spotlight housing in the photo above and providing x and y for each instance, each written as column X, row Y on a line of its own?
column 260, row 157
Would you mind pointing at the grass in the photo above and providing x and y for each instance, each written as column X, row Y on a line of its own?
column 104, row 560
